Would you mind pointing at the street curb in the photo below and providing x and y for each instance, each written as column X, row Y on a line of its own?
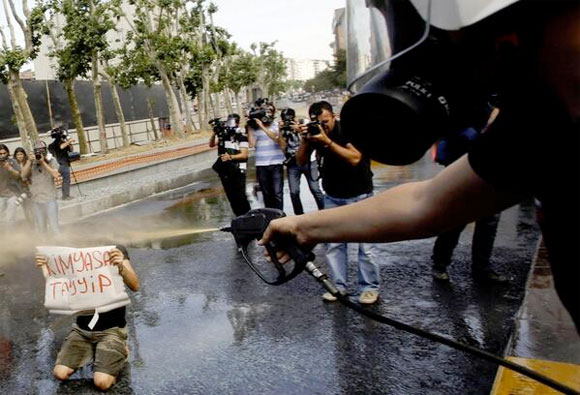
column 193, row 166
column 73, row 213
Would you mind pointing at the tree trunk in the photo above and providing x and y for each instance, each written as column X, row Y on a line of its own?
column 174, row 111
column 249, row 99
column 200, row 110
column 239, row 103
column 152, row 118
column 228, row 101
column 99, row 105
column 217, row 104
column 26, row 143
column 205, row 78
column 76, row 116
column 120, row 115
column 186, row 105
column 22, row 98
column 212, row 105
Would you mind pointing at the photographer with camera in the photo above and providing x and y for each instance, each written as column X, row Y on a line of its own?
column 231, row 165
column 41, row 171
column 290, row 130
column 20, row 159
column 60, row 148
column 9, row 194
column 346, row 178
column 264, row 135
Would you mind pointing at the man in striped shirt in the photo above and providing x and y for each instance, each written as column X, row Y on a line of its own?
column 265, row 136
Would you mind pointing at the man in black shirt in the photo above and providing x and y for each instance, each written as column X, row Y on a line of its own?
column 60, row 148
column 231, row 165
column 346, row 178
column 106, row 343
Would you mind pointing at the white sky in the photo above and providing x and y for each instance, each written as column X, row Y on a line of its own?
column 303, row 28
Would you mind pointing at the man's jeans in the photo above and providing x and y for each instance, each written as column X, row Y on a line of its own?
column 46, row 213
column 65, row 174
column 295, row 171
column 271, row 180
column 369, row 277
column 8, row 209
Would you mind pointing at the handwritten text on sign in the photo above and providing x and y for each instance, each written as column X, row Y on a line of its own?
column 79, row 279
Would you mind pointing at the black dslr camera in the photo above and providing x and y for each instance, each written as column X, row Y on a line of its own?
column 39, row 153
column 59, row 133
column 219, row 127
column 259, row 111
column 313, row 128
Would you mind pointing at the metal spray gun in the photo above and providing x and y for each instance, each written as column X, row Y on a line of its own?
column 251, row 226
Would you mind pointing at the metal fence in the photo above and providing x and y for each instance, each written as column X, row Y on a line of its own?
column 138, row 131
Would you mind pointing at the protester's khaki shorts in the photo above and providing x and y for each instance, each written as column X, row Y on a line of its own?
column 108, row 348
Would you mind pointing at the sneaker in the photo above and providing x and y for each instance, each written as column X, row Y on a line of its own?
column 328, row 297
column 368, row 297
column 67, row 198
column 440, row 274
column 488, row 275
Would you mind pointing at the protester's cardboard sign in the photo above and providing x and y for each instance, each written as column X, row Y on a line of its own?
column 82, row 279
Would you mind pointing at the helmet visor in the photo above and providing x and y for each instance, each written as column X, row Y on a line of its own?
column 379, row 31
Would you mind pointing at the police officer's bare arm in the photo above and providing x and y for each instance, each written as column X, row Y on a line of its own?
column 454, row 197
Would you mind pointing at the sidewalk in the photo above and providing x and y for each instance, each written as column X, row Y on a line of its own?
column 98, row 185
column 545, row 339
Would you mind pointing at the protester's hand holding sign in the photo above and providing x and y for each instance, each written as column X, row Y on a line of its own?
column 125, row 269
column 85, row 279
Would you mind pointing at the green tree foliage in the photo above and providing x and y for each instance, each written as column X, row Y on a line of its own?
column 82, row 34
column 243, row 71
column 333, row 77
column 271, row 68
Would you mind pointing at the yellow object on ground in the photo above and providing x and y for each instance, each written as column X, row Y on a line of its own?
column 508, row 382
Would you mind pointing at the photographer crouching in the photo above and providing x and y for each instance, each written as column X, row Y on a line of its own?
column 231, row 165
column 60, row 148
column 290, row 130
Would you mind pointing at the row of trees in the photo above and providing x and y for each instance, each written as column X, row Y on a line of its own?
column 171, row 42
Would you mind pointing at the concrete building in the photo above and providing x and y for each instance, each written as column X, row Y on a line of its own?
column 305, row 69
column 45, row 66
column 339, row 30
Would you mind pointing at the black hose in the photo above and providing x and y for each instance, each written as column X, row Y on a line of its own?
column 459, row 346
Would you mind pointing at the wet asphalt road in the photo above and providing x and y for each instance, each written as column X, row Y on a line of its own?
column 202, row 323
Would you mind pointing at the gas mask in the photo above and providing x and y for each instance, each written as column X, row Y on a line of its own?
column 413, row 84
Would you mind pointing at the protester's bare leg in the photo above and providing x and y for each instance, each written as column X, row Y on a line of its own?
column 62, row 372
column 103, row 381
